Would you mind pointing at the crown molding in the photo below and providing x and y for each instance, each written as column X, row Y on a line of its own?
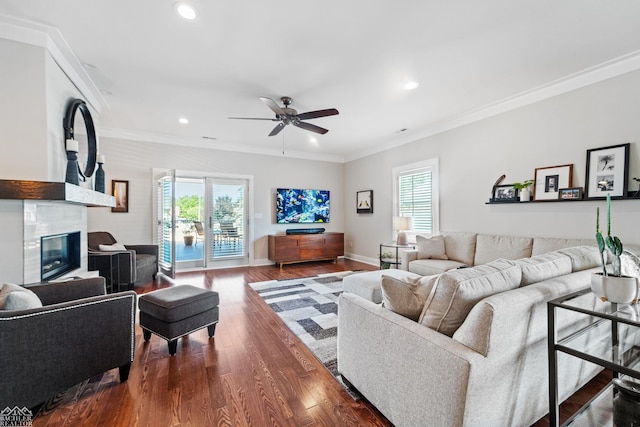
column 601, row 72
column 51, row 39
column 169, row 139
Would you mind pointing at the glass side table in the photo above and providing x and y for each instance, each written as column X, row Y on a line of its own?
column 610, row 338
column 391, row 259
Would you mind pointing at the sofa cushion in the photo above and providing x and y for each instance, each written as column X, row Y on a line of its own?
column 430, row 247
column 543, row 267
column 406, row 296
column 456, row 292
column 490, row 247
column 367, row 285
column 14, row 297
column 428, row 267
column 542, row 245
column 582, row 257
column 460, row 246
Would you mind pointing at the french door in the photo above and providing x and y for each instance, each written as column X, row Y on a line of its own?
column 213, row 209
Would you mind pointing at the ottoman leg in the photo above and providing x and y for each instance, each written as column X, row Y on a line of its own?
column 212, row 329
column 173, row 345
column 146, row 333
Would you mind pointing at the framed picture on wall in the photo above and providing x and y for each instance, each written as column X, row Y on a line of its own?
column 120, row 190
column 574, row 193
column 364, row 201
column 504, row 193
column 549, row 180
column 607, row 171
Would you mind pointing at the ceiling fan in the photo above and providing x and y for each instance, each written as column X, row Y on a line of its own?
column 289, row 116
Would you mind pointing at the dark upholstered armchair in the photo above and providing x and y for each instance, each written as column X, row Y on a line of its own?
column 136, row 264
column 78, row 333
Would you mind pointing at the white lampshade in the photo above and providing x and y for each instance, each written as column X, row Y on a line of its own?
column 402, row 224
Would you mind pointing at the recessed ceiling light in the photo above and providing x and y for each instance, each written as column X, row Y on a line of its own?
column 183, row 120
column 411, row 85
column 186, row 11
column 313, row 140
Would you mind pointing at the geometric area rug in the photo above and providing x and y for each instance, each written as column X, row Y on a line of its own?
column 309, row 308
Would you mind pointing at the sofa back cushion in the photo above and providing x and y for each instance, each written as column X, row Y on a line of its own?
column 543, row 245
column 430, row 247
column 460, row 246
column 582, row 257
column 543, row 267
column 406, row 296
column 490, row 247
column 456, row 292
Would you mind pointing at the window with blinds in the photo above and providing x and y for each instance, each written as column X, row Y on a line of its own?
column 416, row 195
column 414, row 199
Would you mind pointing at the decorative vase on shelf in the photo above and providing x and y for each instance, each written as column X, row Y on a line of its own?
column 72, row 162
column 99, row 180
column 525, row 195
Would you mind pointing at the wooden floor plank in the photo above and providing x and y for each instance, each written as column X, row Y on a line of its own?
column 254, row 372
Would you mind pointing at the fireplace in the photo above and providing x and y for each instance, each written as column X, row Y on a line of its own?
column 59, row 254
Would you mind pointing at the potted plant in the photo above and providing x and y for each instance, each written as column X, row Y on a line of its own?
column 187, row 235
column 523, row 189
column 612, row 286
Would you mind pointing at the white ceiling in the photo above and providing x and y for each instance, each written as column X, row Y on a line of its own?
column 154, row 67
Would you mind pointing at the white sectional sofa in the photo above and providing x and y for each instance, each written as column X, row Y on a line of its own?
column 477, row 353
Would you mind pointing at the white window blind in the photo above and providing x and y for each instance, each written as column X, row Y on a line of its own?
column 416, row 196
column 415, row 199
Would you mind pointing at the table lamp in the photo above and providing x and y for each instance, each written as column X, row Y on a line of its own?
column 402, row 224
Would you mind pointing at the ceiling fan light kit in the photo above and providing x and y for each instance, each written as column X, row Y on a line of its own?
column 288, row 116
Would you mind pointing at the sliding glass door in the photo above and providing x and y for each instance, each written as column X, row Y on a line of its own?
column 228, row 220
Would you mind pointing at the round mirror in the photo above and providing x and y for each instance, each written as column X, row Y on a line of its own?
column 70, row 120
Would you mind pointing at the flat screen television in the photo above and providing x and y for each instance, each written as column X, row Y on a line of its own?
column 295, row 206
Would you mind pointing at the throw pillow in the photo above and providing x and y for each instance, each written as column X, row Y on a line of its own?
column 14, row 297
column 456, row 292
column 115, row 247
column 430, row 248
column 406, row 297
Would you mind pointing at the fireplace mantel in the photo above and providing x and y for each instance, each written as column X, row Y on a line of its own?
column 53, row 191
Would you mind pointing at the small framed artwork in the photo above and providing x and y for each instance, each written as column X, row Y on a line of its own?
column 549, row 180
column 607, row 171
column 505, row 193
column 364, row 201
column 574, row 193
column 120, row 190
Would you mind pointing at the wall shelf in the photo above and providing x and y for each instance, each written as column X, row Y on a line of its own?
column 53, row 191
column 595, row 199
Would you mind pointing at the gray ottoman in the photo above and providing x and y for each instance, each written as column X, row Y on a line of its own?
column 174, row 312
column 367, row 285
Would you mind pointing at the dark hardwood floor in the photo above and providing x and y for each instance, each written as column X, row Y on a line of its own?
column 254, row 372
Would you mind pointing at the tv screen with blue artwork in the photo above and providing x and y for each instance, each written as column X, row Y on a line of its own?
column 302, row 206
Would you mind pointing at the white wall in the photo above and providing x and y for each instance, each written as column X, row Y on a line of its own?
column 553, row 132
column 134, row 161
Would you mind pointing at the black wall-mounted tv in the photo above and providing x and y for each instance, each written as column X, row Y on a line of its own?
column 302, row 206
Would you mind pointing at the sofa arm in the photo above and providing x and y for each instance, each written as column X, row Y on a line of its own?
column 144, row 249
column 406, row 257
column 409, row 372
column 57, row 292
column 49, row 349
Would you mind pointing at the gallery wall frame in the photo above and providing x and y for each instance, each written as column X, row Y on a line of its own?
column 364, row 201
column 549, row 180
column 607, row 171
column 504, row 193
column 573, row 193
column 120, row 190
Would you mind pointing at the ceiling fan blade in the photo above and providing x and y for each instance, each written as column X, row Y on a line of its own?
column 252, row 118
column 318, row 113
column 273, row 106
column 276, row 130
column 310, row 127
